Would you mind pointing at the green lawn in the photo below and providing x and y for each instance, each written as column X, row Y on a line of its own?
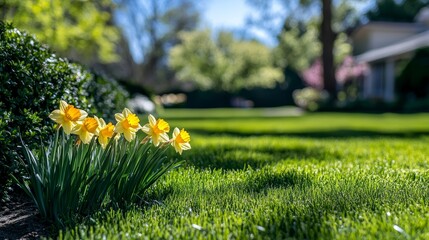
column 326, row 176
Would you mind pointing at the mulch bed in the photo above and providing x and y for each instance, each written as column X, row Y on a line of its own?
column 19, row 219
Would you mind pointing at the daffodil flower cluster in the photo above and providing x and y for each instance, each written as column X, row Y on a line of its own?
column 76, row 121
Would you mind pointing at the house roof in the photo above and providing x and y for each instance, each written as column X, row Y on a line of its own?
column 419, row 27
column 405, row 46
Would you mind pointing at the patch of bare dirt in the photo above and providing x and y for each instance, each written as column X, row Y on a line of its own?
column 19, row 219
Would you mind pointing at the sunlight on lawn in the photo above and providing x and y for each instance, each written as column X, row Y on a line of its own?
column 243, row 180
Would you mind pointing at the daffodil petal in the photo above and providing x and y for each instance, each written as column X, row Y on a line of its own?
column 103, row 141
column 101, row 122
column 63, row 106
column 129, row 136
column 126, row 112
column 186, row 146
column 85, row 136
column 177, row 147
column 164, row 137
column 179, row 150
column 133, row 130
column 68, row 126
column 83, row 115
column 56, row 116
column 119, row 128
column 152, row 120
column 119, row 117
column 155, row 140
column 176, row 132
column 146, row 129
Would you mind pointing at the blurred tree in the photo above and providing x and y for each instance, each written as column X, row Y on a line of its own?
column 298, row 49
column 79, row 30
column 395, row 11
column 151, row 28
column 309, row 27
column 327, row 39
column 224, row 63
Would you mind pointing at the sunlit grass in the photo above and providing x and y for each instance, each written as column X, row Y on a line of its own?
column 217, row 113
column 334, row 124
column 326, row 176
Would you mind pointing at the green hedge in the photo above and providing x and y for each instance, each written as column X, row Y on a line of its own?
column 32, row 80
column 414, row 78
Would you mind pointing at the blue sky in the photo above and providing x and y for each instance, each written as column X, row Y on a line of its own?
column 226, row 13
column 231, row 15
column 223, row 14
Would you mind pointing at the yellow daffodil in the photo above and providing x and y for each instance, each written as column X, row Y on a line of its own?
column 128, row 124
column 104, row 132
column 180, row 140
column 157, row 130
column 67, row 116
column 87, row 129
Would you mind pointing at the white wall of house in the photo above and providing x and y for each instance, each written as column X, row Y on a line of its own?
column 380, row 81
column 381, row 45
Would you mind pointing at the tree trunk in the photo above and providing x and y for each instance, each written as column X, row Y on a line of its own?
column 328, row 39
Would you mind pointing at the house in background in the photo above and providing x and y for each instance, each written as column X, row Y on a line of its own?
column 382, row 45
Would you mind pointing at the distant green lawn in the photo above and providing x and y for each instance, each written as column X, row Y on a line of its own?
column 325, row 176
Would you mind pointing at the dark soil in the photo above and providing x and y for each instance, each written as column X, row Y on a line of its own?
column 19, row 219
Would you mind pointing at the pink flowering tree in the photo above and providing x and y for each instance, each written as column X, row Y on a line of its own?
column 348, row 76
column 348, row 70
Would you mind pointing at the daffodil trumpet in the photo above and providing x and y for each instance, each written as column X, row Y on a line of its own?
column 127, row 124
column 180, row 140
column 76, row 121
column 67, row 116
column 157, row 130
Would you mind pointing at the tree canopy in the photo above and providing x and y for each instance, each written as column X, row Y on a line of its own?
column 224, row 63
column 308, row 29
column 299, row 49
column 395, row 11
column 76, row 29
column 151, row 27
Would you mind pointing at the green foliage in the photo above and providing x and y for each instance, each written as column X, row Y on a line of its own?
column 75, row 29
column 243, row 122
column 106, row 96
column 152, row 27
column 310, row 98
column 317, row 176
column 32, row 79
column 412, row 84
column 414, row 78
column 299, row 49
column 301, row 13
column 395, row 11
column 224, row 64
column 65, row 179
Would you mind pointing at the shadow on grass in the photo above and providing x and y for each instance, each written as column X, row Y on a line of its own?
column 337, row 133
column 238, row 157
column 266, row 179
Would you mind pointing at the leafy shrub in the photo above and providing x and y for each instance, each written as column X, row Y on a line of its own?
column 105, row 96
column 416, row 105
column 310, row 98
column 32, row 78
column 413, row 81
